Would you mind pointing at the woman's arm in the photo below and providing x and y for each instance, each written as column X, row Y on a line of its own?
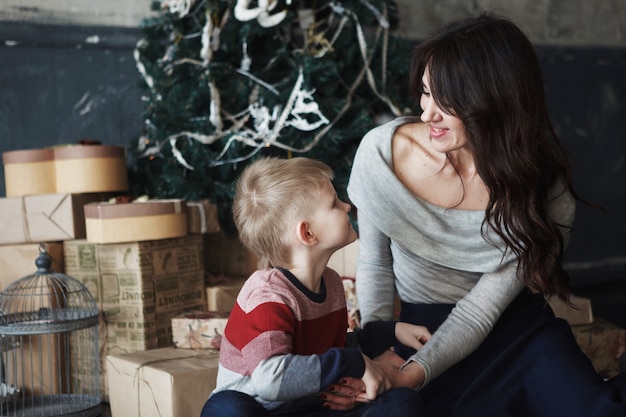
column 470, row 321
column 375, row 287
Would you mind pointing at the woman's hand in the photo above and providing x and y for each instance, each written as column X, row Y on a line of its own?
column 345, row 394
column 350, row 391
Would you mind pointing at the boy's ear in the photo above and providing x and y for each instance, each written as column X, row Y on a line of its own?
column 304, row 233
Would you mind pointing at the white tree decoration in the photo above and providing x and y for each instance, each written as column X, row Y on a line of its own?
column 178, row 7
column 256, row 125
column 262, row 13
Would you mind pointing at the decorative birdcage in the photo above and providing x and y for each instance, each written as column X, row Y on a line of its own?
column 49, row 363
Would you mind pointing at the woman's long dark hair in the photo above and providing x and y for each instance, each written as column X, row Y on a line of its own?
column 484, row 70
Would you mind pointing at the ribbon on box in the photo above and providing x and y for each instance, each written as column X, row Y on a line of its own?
column 202, row 211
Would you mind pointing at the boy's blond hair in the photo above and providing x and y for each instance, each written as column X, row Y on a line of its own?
column 272, row 195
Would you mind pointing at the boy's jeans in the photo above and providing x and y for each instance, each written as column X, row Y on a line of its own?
column 397, row 402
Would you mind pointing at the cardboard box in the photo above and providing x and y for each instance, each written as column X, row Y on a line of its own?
column 45, row 217
column 139, row 287
column 65, row 169
column 221, row 298
column 18, row 261
column 226, row 256
column 352, row 304
column 90, row 169
column 198, row 330
column 139, row 279
column 202, row 217
column 165, row 382
column 604, row 343
column 580, row 313
column 29, row 171
column 138, row 221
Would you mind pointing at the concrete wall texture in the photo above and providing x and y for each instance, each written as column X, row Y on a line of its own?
column 58, row 87
column 555, row 22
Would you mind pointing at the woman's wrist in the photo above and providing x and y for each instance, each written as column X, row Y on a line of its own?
column 413, row 375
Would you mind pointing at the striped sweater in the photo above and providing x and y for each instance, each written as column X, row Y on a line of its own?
column 285, row 342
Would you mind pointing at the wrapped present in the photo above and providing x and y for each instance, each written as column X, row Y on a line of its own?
column 221, row 297
column 604, row 343
column 199, row 330
column 90, row 168
column 18, row 261
column 139, row 287
column 29, row 171
column 137, row 221
column 165, row 382
column 138, row 279
column 44, row 217
column 226, row 256
column 579, row 310
column 202, row 217
column 72, row 169
column 352, row 304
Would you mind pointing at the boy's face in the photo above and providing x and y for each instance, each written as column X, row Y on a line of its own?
column 330, row 222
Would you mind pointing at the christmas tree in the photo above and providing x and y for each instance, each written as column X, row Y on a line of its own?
column 231, row 81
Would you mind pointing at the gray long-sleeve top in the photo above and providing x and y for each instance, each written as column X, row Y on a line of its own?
column 430, row 254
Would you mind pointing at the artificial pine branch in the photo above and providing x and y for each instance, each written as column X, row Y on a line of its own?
column 299, row 78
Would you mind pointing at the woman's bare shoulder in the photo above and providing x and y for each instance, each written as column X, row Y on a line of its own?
column 411, row 142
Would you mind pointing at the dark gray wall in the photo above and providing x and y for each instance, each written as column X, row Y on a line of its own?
column 62, row 82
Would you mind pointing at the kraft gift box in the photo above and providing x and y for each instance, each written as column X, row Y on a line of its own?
column 139, row 287
column 90, row 168
column 44, row 217
column 198, row 330
column 70, row 169
column 222, row 297
column 579, row 312
column 29, row 171
column 166, row 382
column 137, row 221
column 202, row 217
column 18, row 261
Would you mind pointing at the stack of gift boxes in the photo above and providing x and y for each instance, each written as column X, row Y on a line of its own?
column 163, row 274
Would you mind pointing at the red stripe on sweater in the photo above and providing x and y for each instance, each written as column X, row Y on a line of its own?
column 265, row 317
column 318, row 335
column 309, row 337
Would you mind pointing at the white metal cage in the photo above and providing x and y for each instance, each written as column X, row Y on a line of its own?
column 49, row 360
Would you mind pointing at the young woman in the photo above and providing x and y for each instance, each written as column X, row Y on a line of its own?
column 465, row 212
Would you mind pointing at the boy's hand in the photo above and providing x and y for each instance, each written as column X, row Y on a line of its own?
column 351, row 391
column 412, row 335
column 375, row 380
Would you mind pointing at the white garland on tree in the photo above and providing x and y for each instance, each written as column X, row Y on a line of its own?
column 262, row 13
column 178, row 7
column 300, row 111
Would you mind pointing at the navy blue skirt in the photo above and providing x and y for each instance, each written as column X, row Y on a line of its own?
column 529, row 366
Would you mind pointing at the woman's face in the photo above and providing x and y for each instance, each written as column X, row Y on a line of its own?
column 447, row 132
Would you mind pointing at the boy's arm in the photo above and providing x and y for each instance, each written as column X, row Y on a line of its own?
column 377, row 337
column 374, row 338
column 288, row 377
